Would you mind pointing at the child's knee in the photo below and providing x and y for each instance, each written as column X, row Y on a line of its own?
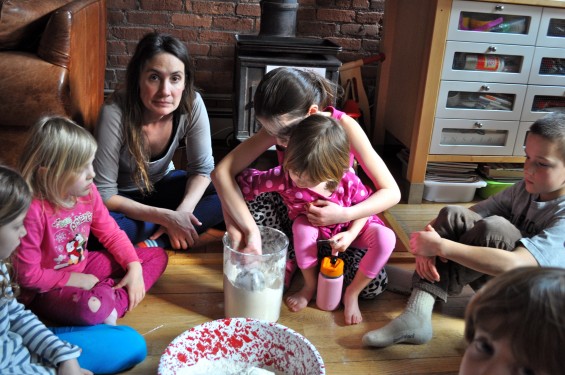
column 93, row 307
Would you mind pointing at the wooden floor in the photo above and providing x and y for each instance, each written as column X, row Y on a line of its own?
column 190, row 293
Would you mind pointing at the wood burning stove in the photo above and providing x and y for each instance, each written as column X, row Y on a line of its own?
column 275, row 46
column 256, row 55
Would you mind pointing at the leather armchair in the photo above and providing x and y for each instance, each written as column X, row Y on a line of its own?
column 52, row 62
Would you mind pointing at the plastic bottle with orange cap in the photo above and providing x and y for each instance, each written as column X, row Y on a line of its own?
column 330, row 283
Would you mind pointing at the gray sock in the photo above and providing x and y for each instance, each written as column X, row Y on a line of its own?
column 399, row 280
column 413, row 326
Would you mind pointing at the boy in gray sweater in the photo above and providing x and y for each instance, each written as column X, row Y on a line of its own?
column 523, row 225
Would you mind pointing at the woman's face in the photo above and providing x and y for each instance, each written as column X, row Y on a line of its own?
column 161, row 85
column 10, row 235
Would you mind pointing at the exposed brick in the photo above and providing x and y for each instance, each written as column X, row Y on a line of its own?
column 161, row 4
column 317, row 29
column 232, row 23
column 208, row 28
column 335, row 15
column 360, row 4
column 121, row 4
column 369, row 18
column 359, row 30
column 191, row 20
column 213, row 7
column 226, row 51
column 252, row 10
column 115, row 17
column 130, row 33
column 197, row 49
column 347, row 43
column 148, row 18
column 216, row 36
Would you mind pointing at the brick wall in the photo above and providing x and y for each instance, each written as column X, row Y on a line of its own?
column 208, row 27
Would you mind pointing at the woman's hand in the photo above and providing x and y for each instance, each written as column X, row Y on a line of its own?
column 321, row 213
column 133, row 282
column 84, row 281
column 180, row 229
column 71, row 367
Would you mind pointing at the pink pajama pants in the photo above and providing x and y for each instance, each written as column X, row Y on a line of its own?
column 70, row 305
column 376, row 238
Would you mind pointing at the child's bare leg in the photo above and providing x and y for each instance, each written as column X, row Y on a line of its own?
column 351, row 298
column 300, row 299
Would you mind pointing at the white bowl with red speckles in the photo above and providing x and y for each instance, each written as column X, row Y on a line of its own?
column 257, row 343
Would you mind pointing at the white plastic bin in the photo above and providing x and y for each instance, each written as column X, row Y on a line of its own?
column 436, row 191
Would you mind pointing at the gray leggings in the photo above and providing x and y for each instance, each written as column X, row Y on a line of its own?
column 462, row 225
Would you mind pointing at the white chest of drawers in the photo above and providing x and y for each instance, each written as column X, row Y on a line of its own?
column 464, row 80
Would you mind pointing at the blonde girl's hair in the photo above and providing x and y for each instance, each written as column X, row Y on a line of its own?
column 56, row 150
column 525, row 306
column 319, row 147
column 15, row 198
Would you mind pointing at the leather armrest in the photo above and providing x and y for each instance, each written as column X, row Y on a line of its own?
column 55, row 44
column 75, row 38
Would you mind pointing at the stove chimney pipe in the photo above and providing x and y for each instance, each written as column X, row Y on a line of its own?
column 278, row 18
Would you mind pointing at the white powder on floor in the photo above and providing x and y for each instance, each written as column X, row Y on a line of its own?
column 224, row 367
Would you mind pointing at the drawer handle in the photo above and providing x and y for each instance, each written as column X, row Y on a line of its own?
column 492, row 48
column 499, row 8
column 479, row 127
column 485, row 88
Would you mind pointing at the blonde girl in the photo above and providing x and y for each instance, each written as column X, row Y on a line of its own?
column 60, row 279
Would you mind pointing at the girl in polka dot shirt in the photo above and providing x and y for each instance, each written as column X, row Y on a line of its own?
column 317, row 166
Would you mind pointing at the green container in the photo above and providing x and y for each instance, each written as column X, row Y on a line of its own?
column 493, row 187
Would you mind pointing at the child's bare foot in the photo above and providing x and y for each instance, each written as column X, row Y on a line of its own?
column 352, row 312
column 300, row 299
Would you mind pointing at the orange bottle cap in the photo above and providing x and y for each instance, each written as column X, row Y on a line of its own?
column 331, row 270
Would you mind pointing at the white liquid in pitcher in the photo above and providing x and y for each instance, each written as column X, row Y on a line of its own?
column 263, row 305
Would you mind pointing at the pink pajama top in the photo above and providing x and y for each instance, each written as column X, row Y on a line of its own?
column 349, row 191
column 55, row 244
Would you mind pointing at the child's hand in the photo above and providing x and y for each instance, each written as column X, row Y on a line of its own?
column 133, row 282
column 425, row 243
column 71, row 367
column 341, row 242
column 426, row 268
column 84, row 281
column 322, row 213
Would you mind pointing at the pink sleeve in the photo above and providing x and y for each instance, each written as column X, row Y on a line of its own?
column 253, row 182
column 33, row 261
column 109, row 233
column 336, row 113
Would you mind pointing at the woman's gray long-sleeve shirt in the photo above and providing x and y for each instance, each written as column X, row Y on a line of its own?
column 113, row 163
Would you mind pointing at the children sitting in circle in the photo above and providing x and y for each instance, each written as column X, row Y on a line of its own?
column 27, row 346
column 61, row 280
column 317, row 166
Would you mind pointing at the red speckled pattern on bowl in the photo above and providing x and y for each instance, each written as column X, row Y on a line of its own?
column 255, row 342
